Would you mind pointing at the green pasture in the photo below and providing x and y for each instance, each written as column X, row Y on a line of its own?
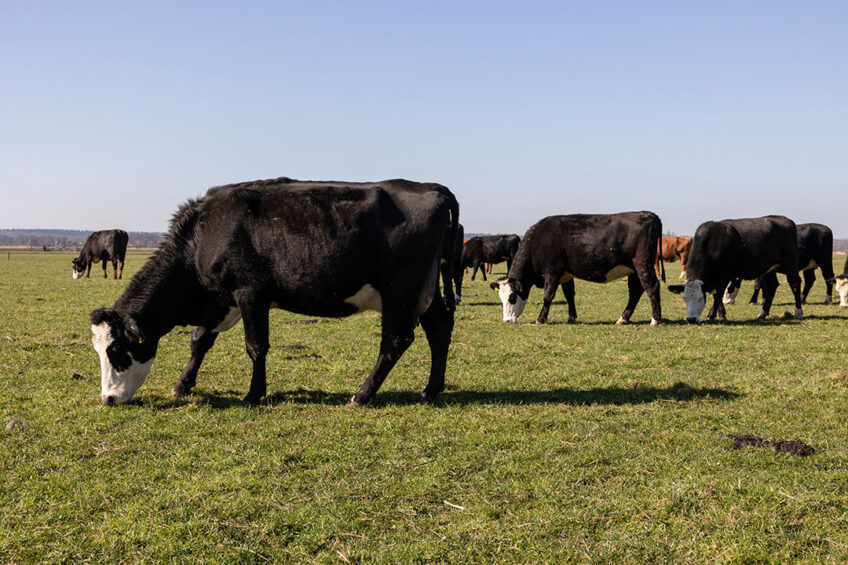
column 585, row 442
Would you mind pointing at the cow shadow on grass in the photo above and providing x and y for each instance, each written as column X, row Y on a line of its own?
column 615, row 396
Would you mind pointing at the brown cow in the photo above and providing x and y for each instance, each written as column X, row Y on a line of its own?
column 673, row 247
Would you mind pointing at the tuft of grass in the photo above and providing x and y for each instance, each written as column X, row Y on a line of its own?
column 557, row 443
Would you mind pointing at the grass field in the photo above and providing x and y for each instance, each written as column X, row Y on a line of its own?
column 584, row 442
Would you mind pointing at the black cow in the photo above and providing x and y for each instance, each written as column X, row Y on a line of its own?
column 316, row 248
column 455, row 247
column 593, row 247
column 489, row 249
column 745, row 248
column 815, row 250
column 106, row 245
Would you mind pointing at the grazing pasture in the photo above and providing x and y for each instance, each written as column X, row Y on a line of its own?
column 556, row 443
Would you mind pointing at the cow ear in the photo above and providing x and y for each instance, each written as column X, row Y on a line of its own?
column 132, row 331
column 494, row 286
column 516, row 286
column 101, row 315
column 675, row 288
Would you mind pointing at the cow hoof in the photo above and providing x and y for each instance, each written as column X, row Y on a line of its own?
column 252, row 400
column 752, row 303
column 540, row 322
column 799, row 313
column 428, row 397
column 762, row 316
column 178, row 392
column 654, row 322
column 827, row 301
column 621, row 321
column 353, row 402
column 572, row 319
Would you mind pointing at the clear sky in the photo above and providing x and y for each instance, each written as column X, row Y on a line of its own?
column 113, row 113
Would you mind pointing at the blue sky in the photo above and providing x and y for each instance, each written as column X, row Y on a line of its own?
column 113, row 113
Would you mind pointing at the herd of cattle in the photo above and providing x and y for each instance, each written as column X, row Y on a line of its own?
column 336, row 248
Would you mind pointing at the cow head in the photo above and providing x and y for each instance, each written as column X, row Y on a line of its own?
column 79, row 267
column 513, row 296
column 842, row 288
column 125, row 356
column 694, row 296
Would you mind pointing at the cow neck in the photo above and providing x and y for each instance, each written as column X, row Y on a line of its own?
column 522, row 267
column 159, row 296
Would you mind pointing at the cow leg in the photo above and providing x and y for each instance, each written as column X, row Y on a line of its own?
column 827, row 273
column 88, row 270
column 398, row 334
column 202, row 340
column 568, row 291
column 651, row 285
column 105, row 264
column 255, row 320
column 474, row 266
column 115, row 269
column 547, row 299
column 770, row 285
column 794, row 280
column 437, row 323
column 717, row 309
column 121, row 271
column 809, row 279
column 634, row 291
column 758, row 285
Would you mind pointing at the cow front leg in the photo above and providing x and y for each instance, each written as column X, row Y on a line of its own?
column 547, row 299
column 794, row 280
column 769, row 288
column 809, row 279
column 397, row 336
column 758, row 286
column 202, row 340
column 717, row 309
column 105, row 265
column 634, row 293
column 437, row 323
column 88, row 270
column 568, row 291
column 826, row 265
column 254, row 314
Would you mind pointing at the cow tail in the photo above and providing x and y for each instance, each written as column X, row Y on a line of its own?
column 659, row 253
column 447, row 279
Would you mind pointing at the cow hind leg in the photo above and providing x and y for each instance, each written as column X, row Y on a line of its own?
column 770, row 284
column 202, row 340
column 121, row 270
column 634, row 293
column 809, row 279
column 547, row 299
column 794, row 280
column 397, row 336
column 568, row 291
column 758, row 286
column 437, row 323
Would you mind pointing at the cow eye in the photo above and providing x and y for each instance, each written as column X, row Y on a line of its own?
column 512, row 298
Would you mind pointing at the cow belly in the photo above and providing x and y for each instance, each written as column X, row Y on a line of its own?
column 366, row 298
column 618, row 272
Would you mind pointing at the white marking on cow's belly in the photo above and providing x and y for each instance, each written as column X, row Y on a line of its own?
column 565, row 278
column 618, row 272
column 366, row 298
column 811, row 265
column 232, row 317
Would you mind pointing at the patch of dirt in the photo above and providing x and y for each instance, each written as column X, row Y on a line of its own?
column 794, row 447
column 305, row 356
column 302, row 322
column 294, row 347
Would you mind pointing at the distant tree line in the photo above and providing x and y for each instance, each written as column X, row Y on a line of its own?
column 68, row 238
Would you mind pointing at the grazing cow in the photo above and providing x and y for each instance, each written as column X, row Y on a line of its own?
column 593, row 247
column 673, row 248
column 745, row 248
column 815, row 250
column 842, row 286
column 489, row 249
column 106, row 245
column 316, row 248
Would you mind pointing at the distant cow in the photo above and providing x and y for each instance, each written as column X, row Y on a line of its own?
column 815, row 250
column 105, row 246
column 745, row 248
column 489, row 249
column 317, row 248
column 593, row 247
column 842, row 286
column 673, row 248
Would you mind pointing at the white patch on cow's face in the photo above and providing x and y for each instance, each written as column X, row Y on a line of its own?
column 693, row 296
column 230, row 320
column 513, row 305
column 116, row 387
column 367, row 298
column 77, row 274
column 730, row 295
column 618, row 272
column 842, row 289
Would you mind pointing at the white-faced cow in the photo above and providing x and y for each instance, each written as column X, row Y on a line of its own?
column 842, row 286
column 745, row 248
column 593, row 247
column 316, row 248
column 673, row 248
column 489, row 249
column 815, row 250
column 105, row 246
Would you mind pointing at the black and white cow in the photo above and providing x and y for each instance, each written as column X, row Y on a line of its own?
column 105, row 246
column 454, row 247
column 489, row 249
column 841, row 282
column 815, row 250
column 316, row 248
column 593, row 247
column 745, row 248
